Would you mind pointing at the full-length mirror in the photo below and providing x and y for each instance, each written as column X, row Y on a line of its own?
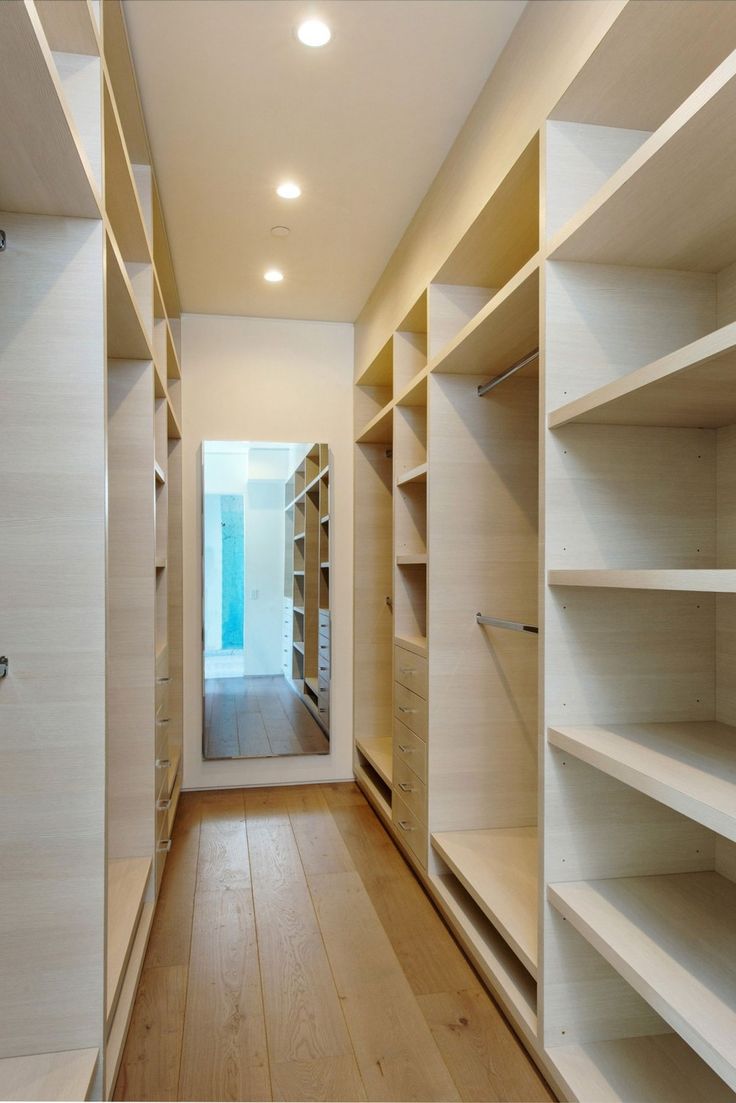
column 266, row 598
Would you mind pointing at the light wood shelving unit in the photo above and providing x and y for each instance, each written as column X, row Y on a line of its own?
column 97, row 390
column 566, row 792
column 306, row 632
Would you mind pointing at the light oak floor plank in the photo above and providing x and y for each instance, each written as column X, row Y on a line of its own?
column 295, row 956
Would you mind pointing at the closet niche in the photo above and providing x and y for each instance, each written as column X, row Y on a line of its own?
column 266, row 599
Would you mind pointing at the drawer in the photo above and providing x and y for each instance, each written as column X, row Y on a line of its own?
column 409, row 830
column 324, row 646
column 411, row 750
column 163, row 764
column 162, row 850
column 162, row 738
column 324, row 621
column 410, row 789
column 324, row 684
column 411, row 709
column 162, row 663
column 323, row 665
column 162, row 815
column 162, row 698
column 410, row 670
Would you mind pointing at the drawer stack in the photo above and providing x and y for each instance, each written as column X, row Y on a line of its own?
column 287, row 637
column 168, row 774
column 323, row 666
column 409, row 803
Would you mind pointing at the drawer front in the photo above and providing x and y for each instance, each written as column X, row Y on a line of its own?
column 410, row 789
column 410, row 670
column 324, row 621
column 162, row 739
column 162, row 772
column 410, row 709
column 410, row 750
column 162, row 814
column 162, row 663
column 162, row 698
column 409, row 829
column 323, row 668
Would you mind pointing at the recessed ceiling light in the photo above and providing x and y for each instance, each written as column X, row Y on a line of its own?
column 313, row 32
column 273, row 275
column 289, row 190
column 280, row 231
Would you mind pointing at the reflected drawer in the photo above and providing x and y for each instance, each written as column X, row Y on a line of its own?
column 411, row 709
column 410, row 750
column 162, row 697
column 410, row 670
column 409, row 829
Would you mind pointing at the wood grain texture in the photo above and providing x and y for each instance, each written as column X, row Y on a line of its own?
column 59, row 1076
column 223, row 845
column 150, row 1065
column 224, row 1052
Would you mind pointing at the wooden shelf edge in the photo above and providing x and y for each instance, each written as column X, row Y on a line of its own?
column 714, row 581
column 414, row 389
column 127, row 879
column 374, row 795
column 689, row 357
column 379, row 752
column 419, row 560
column 455, row 847
column 417, row 644
column 62, row 1076
column 416, row 474
column 124, row 1009
column 372, row 433
column 674, row 763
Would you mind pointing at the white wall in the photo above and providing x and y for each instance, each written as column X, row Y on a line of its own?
column 266, row 379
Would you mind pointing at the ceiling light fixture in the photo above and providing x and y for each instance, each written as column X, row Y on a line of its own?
column 273, row 275
column 313, row 32
column 289, row 190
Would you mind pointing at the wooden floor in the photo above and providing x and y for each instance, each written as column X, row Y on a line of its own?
column 256, row 718
column 294, row 956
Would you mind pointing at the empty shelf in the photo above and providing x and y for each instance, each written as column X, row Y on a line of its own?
column 670, row 205
column 380, row 429
column 673, row 938
column 498, row 867
column 415, row 394
column 299, row 536
column 690, row 767
column 648, row 1069
column 691, row 387
column 417, row 644
column 59, row 1076
column 501, row 333
column 126, row 884
column 379, row 751
column 298, row 646
column 416, row 474
column 126, row 336
column 417, row 560
column 707, row 581
column 158, row 472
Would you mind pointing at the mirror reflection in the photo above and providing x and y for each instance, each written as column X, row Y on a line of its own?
column 266, row 599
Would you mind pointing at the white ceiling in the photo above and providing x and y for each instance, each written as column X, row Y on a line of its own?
column 234, row 104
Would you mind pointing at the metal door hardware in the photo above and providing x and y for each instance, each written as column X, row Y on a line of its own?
column 3, row 241
column 4, row 664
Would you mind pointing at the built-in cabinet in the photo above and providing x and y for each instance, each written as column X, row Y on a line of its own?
column 90, row 544
column 544, row 550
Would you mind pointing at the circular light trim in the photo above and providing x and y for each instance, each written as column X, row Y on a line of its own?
column 273, row 275
column 313, row 32
column 289, row 190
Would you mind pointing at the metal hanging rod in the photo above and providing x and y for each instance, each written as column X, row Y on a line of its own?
column 3, row 241
column 486, row 387
column 512, row 625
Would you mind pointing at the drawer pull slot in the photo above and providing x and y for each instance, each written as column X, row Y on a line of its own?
column 163, row 805
column 162, row 763
column 408, row 669
column 405, row 825
column 402, row 708
column 406, row 787
column 405, row 750
column 164, row 845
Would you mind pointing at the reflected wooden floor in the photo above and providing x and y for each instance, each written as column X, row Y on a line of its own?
column 294, row 956
column 257, row 717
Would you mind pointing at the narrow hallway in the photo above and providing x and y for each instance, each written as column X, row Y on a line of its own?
column 294, row 956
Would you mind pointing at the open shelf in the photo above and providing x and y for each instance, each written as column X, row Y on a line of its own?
column 378, row 792
column 705, row 581
column 64, row 1076
column 415, row 393
column 299, row 536
column 417, row 644
column 690, row 387
column 121, row 195
column 500, row 334
column 416, row 474
column 379, row 752
column 670, row 205
column 489, row 951
column 159, row 474
column 648, row 1069
column 673, row 938
column 124, row 1010
column 690, row 767
column 379, row 429
column 498, row 867
column 379, row 372
column 417, row 560
column 38, row 176
column 126, row 885
column 298, row 646
column 126, row 335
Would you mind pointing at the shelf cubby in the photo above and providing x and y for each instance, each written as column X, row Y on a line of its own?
column 499, row 868
column 378, row 751
column 122, row 202
column 669, row 204
column 501, row 240
column 379, row 430
column 410, row 346
column 644, row 926
column 410, row 599
column 689, row 766
column 127, row 880
column 127, row 338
